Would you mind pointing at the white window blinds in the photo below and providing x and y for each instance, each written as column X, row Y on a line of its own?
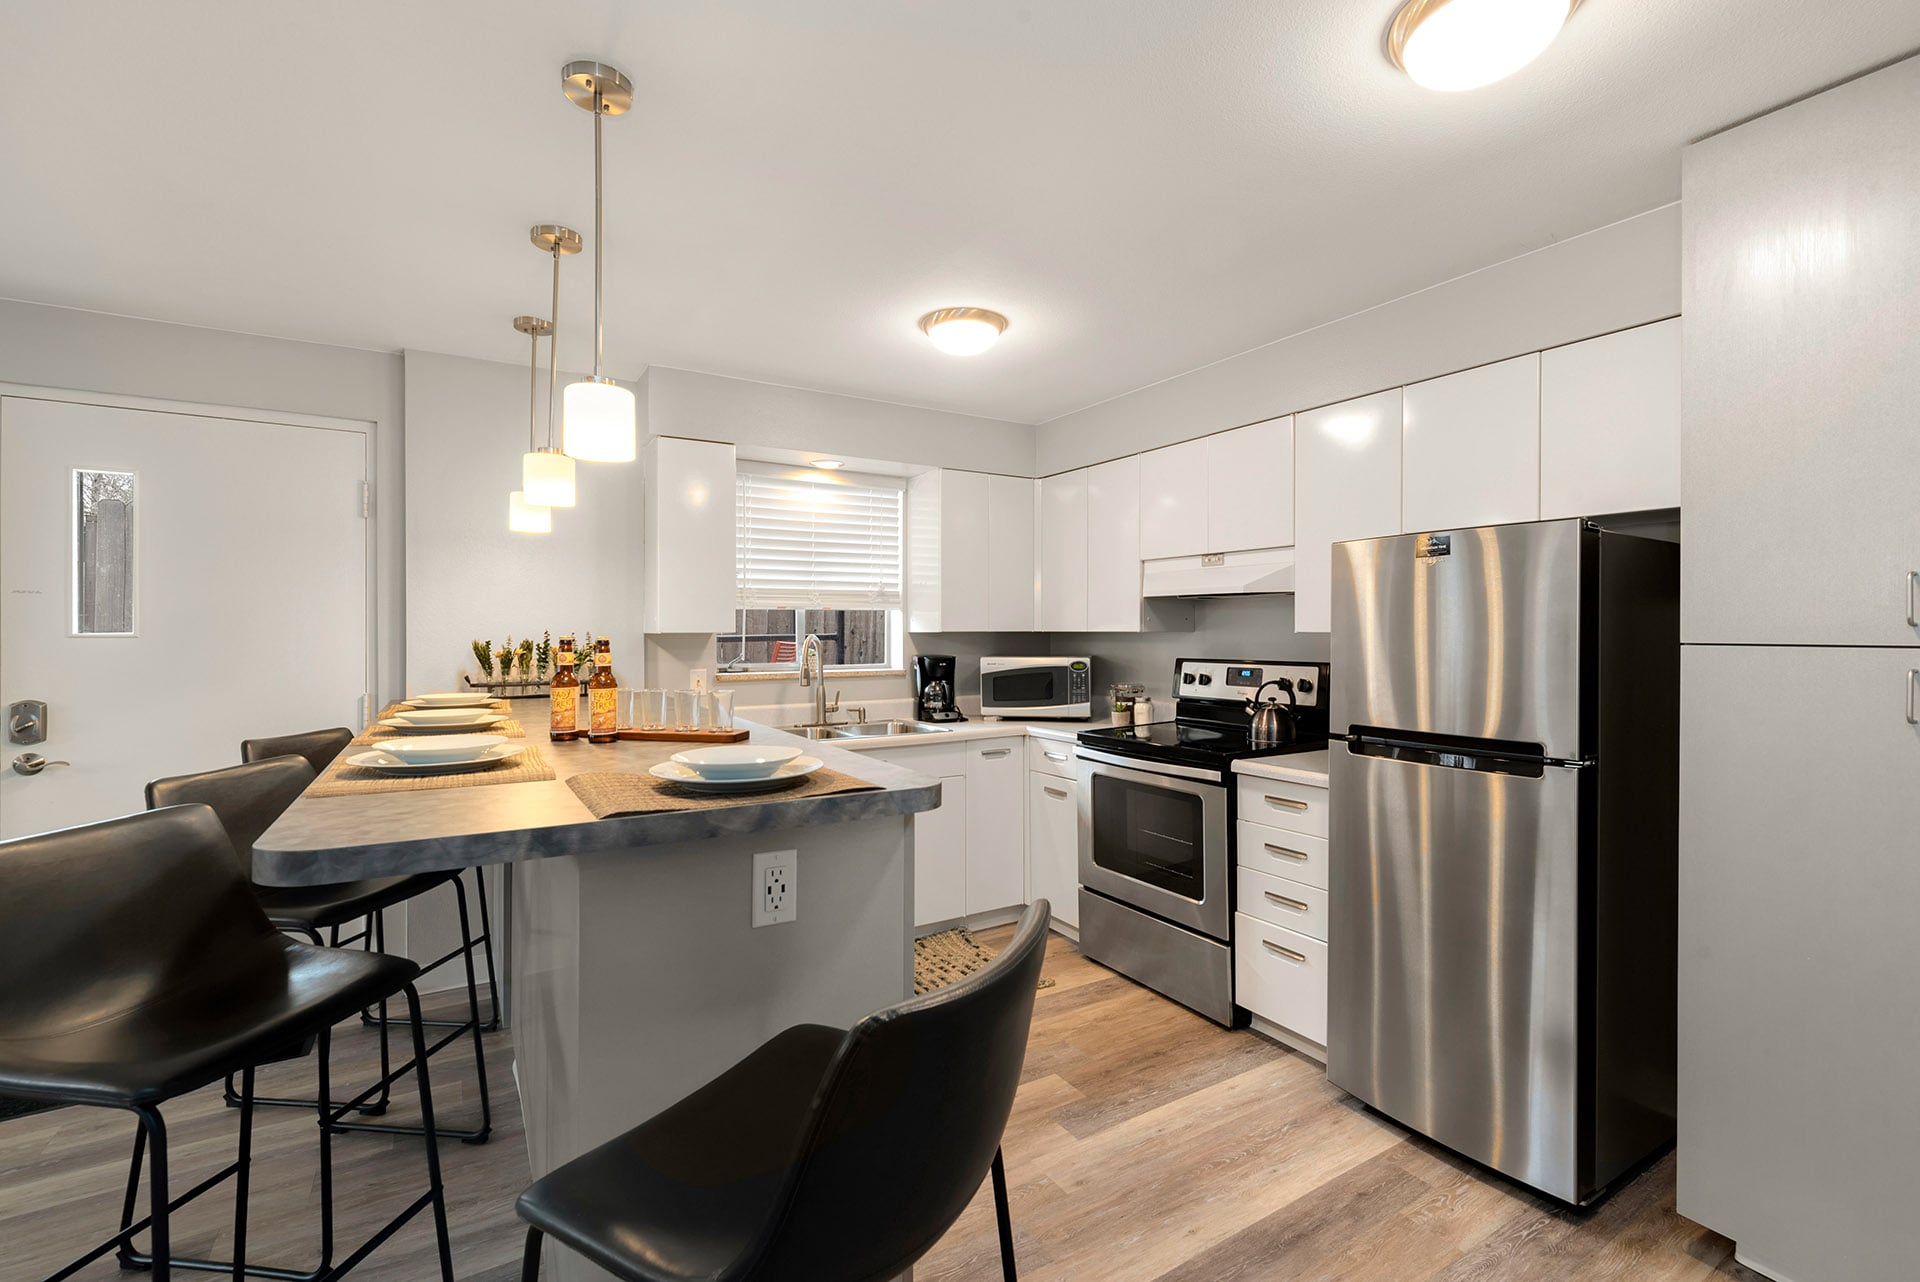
column 806, row 543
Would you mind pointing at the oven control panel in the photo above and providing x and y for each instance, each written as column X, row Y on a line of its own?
column 1236, row 681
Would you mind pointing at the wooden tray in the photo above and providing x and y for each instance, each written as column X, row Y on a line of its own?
column 682, row 736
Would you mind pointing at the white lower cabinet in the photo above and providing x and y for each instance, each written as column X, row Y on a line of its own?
column 1053, row 845
column 940, row 855
column 1281, row 976
column 996, row 825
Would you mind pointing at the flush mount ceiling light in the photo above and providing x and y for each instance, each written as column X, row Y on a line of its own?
column 597, row 420
column 526, row 514
column 829, row 464
column 546, row 473
column 1451, row 45
column 963, row 331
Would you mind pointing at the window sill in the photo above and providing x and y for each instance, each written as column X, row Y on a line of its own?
column 793, row 674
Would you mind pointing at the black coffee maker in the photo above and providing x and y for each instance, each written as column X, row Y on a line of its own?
column 933, row 688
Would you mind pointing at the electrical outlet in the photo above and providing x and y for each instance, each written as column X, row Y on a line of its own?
column 775, row 886
column 697, row 679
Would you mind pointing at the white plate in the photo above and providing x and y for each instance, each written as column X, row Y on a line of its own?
column 450, row 699
column 387, row 764
column 785, row 777
column 736, row 761
column 444, row 728
column 444, row 750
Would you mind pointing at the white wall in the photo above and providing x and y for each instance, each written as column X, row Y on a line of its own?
column 468, row 576
column 1612, row 278
column 60, row 347
column 708, row 407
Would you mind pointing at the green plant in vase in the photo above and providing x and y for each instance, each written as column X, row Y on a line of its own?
column 543, row 654
column 483, row 655
column 583, row 665
column 525, row 653
column 505, row 655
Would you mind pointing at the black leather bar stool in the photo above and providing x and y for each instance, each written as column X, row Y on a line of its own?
column 139, row 968
column 320, row 747
column 247, row 799
column 826, row 1155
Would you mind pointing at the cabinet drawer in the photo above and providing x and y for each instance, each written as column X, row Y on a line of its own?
column 1052, row 756
column 1281, row 975
column 1279, row 902
column 1297, row 856
column 1297, row 807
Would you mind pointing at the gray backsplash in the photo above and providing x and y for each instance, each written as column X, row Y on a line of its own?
column 1249, row 627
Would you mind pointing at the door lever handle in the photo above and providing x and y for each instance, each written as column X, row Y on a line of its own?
column 32, row 763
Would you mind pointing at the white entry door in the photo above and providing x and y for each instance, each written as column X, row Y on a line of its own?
column 171, row 583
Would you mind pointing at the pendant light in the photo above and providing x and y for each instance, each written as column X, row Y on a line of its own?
column 598, row 422
column 525, row 515
column 546, row 473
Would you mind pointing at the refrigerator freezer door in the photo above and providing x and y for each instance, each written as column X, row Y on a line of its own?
column 1468, row 633
column 1454, row 958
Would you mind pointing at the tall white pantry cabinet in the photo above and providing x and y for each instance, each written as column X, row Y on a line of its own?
column 1799, row 1124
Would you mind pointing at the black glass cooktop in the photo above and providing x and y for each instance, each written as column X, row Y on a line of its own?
column 1209, row 745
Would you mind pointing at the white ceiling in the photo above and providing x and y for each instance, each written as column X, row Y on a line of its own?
column 1144, row 186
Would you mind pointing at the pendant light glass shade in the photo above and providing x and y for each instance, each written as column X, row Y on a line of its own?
column 597, row 421
column 546, row 478
column 527, row 518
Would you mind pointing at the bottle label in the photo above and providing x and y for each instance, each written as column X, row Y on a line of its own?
column 604, row 705
column 565, row 712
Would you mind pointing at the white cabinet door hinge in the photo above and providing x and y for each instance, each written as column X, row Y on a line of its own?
column 366, row 499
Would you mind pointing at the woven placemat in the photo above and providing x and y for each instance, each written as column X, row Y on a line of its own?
column 609, row 795
column 511, row 728
column 342, row 780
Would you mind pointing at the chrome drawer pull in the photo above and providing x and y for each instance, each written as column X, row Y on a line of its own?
column 1053, row 756
column 1913, row 598
column 995, row 752
column 1284, row 902
column 1287, row 953
column 1282, row 850
column 1288, row 802
column 1057, row 792
column 1913, row 689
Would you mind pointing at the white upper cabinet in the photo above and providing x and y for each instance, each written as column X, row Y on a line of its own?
column 1063, row 552
column 1250, row 487
column 1610, row 423
column 1174, row 506
column 1013, row 571
column 690, row 575
column 1113, row 546
column 1348, row 487
column 1800, row 285
column 969, row 552
column 1472, row 447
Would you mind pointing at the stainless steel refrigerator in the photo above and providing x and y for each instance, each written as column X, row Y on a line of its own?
column 1503, row 834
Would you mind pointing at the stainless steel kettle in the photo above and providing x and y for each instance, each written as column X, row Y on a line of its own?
column 1274, row 724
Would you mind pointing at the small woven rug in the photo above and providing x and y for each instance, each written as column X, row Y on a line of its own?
column 948, row 957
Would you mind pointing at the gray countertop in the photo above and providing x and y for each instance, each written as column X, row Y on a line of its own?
column 320, row 840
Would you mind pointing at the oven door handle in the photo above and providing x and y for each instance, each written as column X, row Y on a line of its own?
column 1146, row 770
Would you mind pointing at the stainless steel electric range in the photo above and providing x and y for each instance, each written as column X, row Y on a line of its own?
column 1156, row 826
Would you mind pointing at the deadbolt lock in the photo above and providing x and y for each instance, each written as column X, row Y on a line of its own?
column 27, row 721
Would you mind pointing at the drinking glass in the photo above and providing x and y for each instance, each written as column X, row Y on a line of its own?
column 686, row 709
column 718, row 712
column 649, row 709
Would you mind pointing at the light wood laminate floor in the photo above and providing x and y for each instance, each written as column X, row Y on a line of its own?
column 1146, row 1143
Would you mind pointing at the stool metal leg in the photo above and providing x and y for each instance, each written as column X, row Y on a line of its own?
column 240, row 1177
column 1004, row 1216
column 530, row 1260
column 162, row 1213
column 433, row 1141
column 473, row 1013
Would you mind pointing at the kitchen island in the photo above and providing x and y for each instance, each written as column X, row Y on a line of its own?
column 637, row 973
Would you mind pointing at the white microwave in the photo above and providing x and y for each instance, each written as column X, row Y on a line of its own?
column 1037, row 689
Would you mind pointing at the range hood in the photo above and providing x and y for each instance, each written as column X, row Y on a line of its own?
column 1222, row 574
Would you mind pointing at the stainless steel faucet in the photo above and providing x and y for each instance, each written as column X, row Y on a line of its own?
column 813, row 676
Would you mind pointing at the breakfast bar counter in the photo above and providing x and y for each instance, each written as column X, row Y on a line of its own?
column 637, row 971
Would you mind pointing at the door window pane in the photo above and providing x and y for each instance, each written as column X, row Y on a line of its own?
column 103, row 587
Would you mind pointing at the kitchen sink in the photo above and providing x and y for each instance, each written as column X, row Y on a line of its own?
column 867, row 730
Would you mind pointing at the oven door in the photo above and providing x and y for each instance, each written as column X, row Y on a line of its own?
column 1156, row 841
column 1045, row 687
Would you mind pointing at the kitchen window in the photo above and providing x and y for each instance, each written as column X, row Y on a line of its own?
column 815, row 554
